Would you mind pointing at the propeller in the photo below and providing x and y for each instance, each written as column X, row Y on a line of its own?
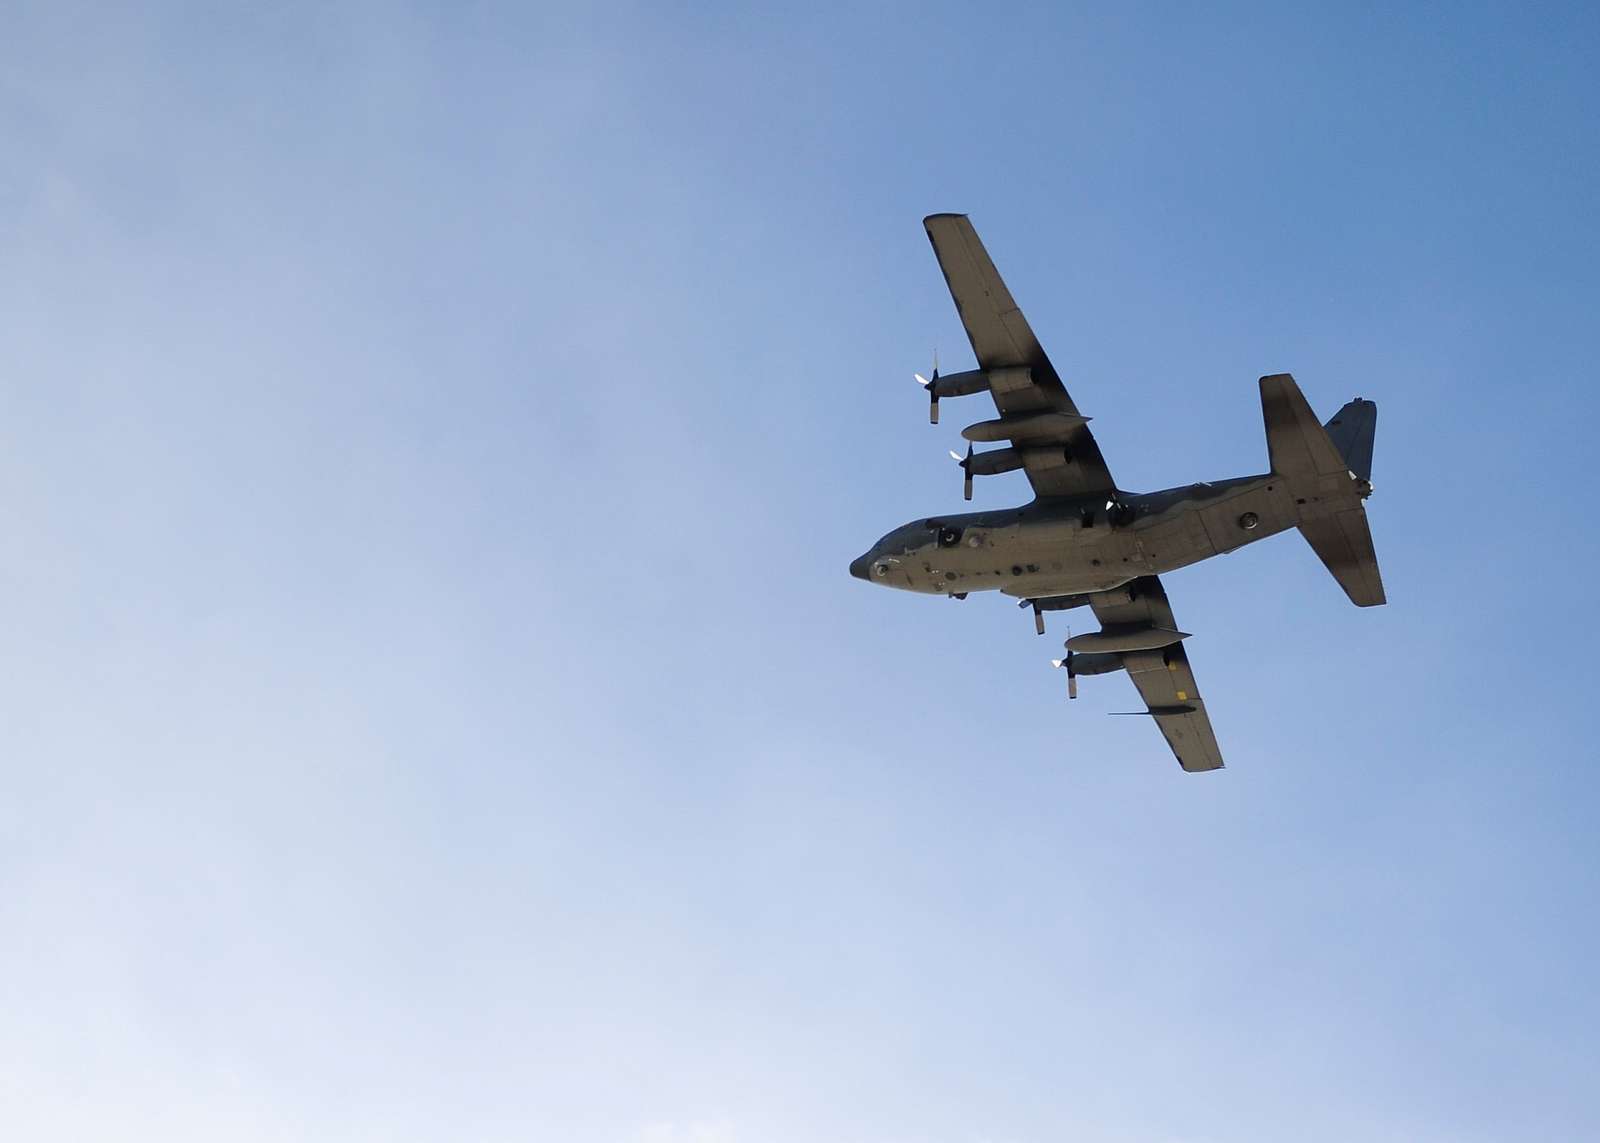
column 931, row 385
column 966, row 467
column 1072, row 675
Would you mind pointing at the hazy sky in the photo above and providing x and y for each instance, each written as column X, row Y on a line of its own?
column 433, row 704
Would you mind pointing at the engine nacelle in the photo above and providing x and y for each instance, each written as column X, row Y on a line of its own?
column 994, row 462
column 1097, row 663
column 959, row 384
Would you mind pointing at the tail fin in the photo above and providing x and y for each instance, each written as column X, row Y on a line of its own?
column 1351, row 431
column 1328, row 470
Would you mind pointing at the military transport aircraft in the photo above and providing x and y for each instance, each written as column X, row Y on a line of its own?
column 1085, row 542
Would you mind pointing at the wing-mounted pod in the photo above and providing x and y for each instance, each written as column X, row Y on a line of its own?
column 1096, row 652
column 1038, row 437
column 1028, row 429
column 1118, row 637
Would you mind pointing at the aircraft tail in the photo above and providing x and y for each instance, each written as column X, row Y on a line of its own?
column 1328, row 469
column 1351, row 430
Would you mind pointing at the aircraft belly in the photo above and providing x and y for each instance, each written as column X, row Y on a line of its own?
column 1251, row 515
column 1175, row 543
column 1045, row 558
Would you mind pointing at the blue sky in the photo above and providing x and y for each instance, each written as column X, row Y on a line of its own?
column 435, row 705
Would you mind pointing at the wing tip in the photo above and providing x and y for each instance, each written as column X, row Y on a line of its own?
column 940, row 216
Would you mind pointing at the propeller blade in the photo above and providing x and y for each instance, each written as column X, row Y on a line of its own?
column 1072, row 685
column 966, row 468
column 931, row 385
column 1038, row 618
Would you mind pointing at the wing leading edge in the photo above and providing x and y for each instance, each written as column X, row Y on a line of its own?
column 1163, row 677
column 1066, row 462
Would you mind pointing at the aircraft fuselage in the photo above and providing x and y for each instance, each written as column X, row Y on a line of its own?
column 1065, row 546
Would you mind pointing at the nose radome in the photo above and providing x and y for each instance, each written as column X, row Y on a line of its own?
column 861, row 566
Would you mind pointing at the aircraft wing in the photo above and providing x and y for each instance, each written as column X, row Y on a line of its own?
column 1066, row 464
column 1164, row 678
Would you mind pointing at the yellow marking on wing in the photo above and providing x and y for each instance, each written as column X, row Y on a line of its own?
column 1182, row 696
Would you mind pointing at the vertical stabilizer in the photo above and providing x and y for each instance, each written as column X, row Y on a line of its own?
column 1351, row 430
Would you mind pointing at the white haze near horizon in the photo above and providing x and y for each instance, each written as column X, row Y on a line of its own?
column 435, row 706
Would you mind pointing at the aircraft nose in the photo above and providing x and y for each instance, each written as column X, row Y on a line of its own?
column 861, row 567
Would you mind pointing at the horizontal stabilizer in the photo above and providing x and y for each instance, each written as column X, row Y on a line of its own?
column 1299, row 448
column 1343, row 542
